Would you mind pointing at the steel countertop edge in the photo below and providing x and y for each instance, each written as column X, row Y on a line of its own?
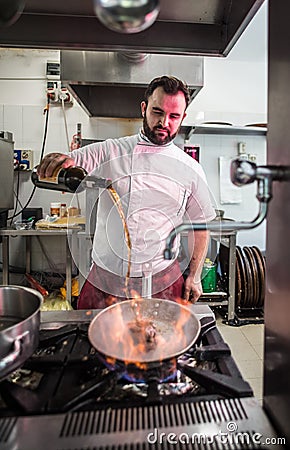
column 58, row 318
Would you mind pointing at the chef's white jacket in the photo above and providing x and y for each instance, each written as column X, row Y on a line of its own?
column 160, row 187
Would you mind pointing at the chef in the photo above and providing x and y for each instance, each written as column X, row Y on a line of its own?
column 159, row 187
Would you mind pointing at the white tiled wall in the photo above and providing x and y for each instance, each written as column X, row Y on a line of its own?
column 2, row 117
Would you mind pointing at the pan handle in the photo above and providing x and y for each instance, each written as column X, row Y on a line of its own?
column 11, row 357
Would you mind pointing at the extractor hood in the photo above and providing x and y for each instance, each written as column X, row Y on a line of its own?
column 111, row 84
column 92, row 58
column 185, row 27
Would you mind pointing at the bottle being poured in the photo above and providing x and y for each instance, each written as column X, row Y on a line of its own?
column 64, row 180
column 71, row 179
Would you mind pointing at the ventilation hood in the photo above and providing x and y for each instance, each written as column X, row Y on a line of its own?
column 186, row 27
column 111, row 84
column 92, row 56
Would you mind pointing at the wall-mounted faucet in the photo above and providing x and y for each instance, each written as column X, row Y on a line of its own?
column 242, row 172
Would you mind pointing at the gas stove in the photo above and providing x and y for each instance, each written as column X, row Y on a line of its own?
column 64, row 397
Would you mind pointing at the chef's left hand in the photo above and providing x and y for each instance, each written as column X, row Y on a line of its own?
column 192, row 289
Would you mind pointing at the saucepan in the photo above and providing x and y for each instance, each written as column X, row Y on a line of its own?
column 143, row 337
column 19, row 326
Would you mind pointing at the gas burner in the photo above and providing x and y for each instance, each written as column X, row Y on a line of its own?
column 67, row 374
column 180, row 386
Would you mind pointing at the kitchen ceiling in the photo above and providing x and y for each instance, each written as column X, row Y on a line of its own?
column 187, row 27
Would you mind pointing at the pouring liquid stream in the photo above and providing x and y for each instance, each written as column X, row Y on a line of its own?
column 117, row 201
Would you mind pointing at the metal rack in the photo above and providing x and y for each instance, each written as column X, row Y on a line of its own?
column 67, row 235
column 224, row 298
column 189, row 130
column 227, row 239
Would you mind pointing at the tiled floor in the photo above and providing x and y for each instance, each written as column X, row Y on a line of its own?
column 247, row 346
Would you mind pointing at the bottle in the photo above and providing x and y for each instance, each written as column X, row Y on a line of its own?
column 63, row 210
column 65, row 180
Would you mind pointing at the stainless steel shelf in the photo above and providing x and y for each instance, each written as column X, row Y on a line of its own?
column 228, row 239
column 221, row 298
column 214, row 295
column 213, row 302
column 188, row 130
column 217, row 298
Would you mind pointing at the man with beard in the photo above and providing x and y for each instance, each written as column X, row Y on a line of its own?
column 159, row 188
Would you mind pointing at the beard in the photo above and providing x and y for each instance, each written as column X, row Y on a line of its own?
column 153, row 136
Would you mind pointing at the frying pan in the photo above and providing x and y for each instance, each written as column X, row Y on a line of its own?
column 19, row 326
column 116, row 335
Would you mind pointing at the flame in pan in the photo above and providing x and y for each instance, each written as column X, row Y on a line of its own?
column 140, row 331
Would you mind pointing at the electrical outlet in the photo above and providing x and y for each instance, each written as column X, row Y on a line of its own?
column 241, row 148
column 23, row 160
column 58, row 94
column 65, row 96
column 52, row 91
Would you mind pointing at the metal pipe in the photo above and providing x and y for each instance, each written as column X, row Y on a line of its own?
column 242, row 172
column 214, row 226
column 246, row 172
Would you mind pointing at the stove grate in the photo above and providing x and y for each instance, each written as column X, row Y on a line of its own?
column 6, row 426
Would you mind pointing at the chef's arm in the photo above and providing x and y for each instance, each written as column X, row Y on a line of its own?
column 197, row 247
column 53, row 161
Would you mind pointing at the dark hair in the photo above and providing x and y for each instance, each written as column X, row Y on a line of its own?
column 170, row 85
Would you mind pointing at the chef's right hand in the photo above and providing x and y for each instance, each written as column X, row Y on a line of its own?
column 53, row 161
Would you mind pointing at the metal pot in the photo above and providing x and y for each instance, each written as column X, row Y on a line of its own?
column 120, row 341
column 19, row 326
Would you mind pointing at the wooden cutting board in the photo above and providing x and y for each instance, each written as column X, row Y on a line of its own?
column 63, row 222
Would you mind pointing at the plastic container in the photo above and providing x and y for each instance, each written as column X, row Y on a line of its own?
column 208, row 276
column 24, row 224
column 55, row 209
column 73, row 211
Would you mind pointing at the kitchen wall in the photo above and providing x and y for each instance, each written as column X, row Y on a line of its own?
column 235, row 91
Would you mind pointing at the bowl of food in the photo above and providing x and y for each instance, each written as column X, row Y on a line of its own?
column 24, row 224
